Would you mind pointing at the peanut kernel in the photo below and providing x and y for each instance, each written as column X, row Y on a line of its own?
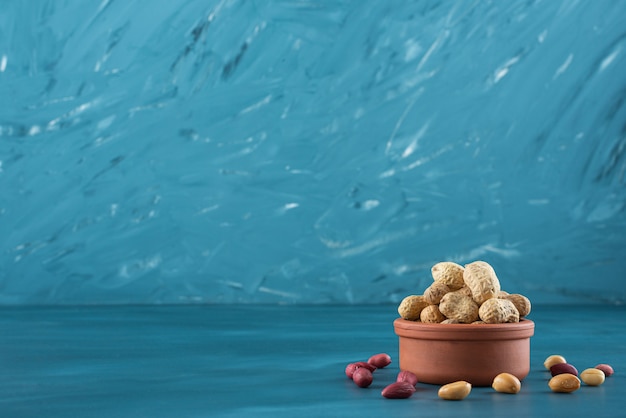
column 506, row 383
column 455, row 391
column 564, row 383
column 552, row 360
column 592, row 377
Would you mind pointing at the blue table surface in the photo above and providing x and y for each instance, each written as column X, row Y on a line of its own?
column 271, row 361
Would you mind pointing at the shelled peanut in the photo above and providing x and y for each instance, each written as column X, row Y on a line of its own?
column 455, row 391
column 565, row 377
column 361, row 372
column 506, row 383
column 464, row 294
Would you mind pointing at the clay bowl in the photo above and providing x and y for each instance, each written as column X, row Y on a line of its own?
column 444, row 353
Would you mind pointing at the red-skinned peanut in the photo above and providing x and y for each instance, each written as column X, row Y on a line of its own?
column 608, row 370
column 563, row 368
column 380, row 360
column 407, row 376
column 350, row 368
column 398, row 390
column 362, row 377
column 367, row 365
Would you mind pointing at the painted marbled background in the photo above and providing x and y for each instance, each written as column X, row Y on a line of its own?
column 309, row 151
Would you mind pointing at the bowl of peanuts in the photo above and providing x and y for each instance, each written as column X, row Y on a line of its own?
column 464, row 327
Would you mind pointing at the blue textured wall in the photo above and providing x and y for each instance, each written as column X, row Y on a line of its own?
column 309, row 151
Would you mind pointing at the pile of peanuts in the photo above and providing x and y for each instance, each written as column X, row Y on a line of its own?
column 565, row 377
column 464, row 295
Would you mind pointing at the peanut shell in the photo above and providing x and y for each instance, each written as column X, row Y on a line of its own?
column 448, row 273
column 435, row 292
column 432, row 315
column 498, row 311
column 411, row 307
column 465, row 291
column 521, row 302
column 456, row 305
column 481, row 278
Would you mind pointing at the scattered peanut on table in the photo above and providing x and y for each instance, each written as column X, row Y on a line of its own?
column 506, row 383
column 552, row 360
column 565, row 377
column 398, row 390
column 608, row 370
column 565, row 383
column 561, row 368
column 455, row 391
column 592, row 377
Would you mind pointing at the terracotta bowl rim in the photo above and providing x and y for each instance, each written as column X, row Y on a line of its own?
column 523, row 329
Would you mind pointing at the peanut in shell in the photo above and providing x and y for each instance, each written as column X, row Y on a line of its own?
column 498, row 311
column 435, row 292
column 411, row 307
column 521, row 302
column 432, row 315
column 481, row 278
column 448, row 273
column 458, row 306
